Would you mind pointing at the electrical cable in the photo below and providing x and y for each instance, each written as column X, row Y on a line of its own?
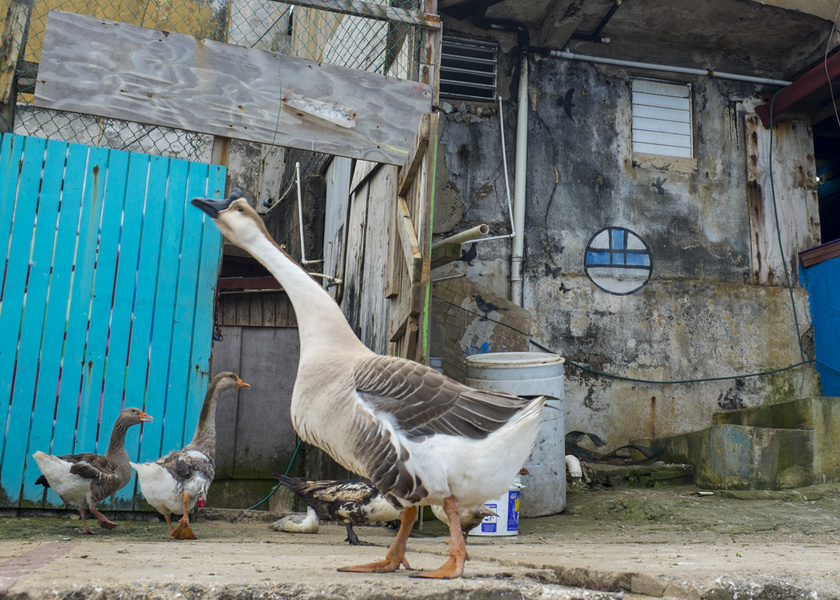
column 676, row 381
column 276, row 487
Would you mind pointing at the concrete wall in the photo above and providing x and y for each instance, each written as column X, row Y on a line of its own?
column 701, row 315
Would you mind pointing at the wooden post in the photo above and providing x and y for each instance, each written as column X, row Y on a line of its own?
column 12, row 45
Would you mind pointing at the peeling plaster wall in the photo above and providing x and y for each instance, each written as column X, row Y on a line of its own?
column 700, row 316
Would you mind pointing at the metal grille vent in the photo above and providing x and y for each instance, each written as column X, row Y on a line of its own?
column 468, row 69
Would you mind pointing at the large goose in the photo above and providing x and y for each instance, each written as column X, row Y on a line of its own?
column 175, row 482
column 84, row 480
column 420, row 437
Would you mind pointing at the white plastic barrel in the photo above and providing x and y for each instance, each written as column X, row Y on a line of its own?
column 506, row 521
column 531, row 374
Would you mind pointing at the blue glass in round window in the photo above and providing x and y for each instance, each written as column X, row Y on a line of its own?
column 618, row 261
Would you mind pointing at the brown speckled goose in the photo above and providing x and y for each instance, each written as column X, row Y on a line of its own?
column 421, row 438
column 175, row 482
column 84, row 480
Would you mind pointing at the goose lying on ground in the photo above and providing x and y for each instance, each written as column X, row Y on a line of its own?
column 420, row 437
column 307, row 523
column 347, row 501
column 84, row 480
column 175, row 482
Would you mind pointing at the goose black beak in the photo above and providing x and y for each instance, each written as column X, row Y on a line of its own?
column 213, row 207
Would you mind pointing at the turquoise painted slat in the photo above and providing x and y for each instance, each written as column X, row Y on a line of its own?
column 88, row 433
column 74, row 367
column 141, row 327
column 17, row 267
column 157, row 386
column 116, row 371
column 32, row 325
column 182, row 334
column 56, row 307
column 11, row 151
column 208, row 269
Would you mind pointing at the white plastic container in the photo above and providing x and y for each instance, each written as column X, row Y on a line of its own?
column 531, row 374
column 507, row 509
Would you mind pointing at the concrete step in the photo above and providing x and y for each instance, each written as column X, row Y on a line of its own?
column 781, row 446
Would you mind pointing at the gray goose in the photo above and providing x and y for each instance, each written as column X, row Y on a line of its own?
column 418, row 436
column 175, row 482
column 84, row 480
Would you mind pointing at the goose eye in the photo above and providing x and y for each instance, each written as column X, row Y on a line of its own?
column 240, row 209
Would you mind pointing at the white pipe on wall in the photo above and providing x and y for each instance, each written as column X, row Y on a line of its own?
column 667, row 68
column 519, row 181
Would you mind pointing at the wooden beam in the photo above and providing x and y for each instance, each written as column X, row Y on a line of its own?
column 126, row 72
column 445, row 254
column 415, row 157
column 376, row 11
column 12, row 45
column 408, row 238
column 407, row 306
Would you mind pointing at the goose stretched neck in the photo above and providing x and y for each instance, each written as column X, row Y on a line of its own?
column 204, row 438
column 116, row 446
column 320, row 320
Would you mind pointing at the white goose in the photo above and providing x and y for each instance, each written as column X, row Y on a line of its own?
column 420, row 437
column 175, row 482
column 84, row 480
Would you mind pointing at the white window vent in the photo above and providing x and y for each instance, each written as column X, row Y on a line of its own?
column 662, row 121
column 468, row 69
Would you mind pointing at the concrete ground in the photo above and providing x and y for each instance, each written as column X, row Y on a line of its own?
column 614, row 543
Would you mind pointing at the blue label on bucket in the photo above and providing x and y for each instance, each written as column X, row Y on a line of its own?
column 513, row 511
column 488, row 524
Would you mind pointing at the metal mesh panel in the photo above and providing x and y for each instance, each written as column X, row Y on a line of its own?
column 368, row 36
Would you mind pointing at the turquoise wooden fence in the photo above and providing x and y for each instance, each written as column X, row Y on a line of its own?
column 106, row 301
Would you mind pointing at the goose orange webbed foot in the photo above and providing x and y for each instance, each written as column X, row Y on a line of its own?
column 183, row 532
column 451, row 569
column 381, row 566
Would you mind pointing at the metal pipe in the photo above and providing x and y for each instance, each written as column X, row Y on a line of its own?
column 519, row 181
column 668, row 68
column 464, row 236
column 303, row 260
column 507, row 182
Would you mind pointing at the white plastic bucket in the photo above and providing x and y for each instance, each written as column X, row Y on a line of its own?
column 507, row 509
column 531, row 374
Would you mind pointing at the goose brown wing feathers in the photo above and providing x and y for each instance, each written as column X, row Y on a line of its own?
column 424, row 402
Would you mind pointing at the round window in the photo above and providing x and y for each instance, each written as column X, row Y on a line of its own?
column 618, row 261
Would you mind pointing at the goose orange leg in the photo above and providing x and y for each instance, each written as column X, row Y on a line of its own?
column 184, row 531
column 104, row 522
column 396, row 553
column 453, row 567
column 85, row 528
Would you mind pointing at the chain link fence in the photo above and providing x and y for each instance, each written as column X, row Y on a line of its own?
column 381, row 36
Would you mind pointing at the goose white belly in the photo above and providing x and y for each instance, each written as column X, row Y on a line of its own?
column 480, row 469
column 165, row 492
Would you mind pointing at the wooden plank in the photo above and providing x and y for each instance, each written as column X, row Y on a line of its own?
column 410, row 303
column 227, row 357
column 269, row 361
column 94, row 406
column 427, row 196
column 335, row 220
column 158, row 397
column 115, row 70
column 374, row 329
column 408, row 239
column 351, row 297
column 74, row 368
column 361, row 171
column 13, row 36
column 357, row 8
column 136, row 393
column 182, row 407
column 29, row 315
column 50, row 340
column 54, row 344
column 820, row 253
column 415, row 156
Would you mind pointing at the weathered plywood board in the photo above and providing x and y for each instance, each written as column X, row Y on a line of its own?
column 335, row 221
column 126, row 72
column 794, row 182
